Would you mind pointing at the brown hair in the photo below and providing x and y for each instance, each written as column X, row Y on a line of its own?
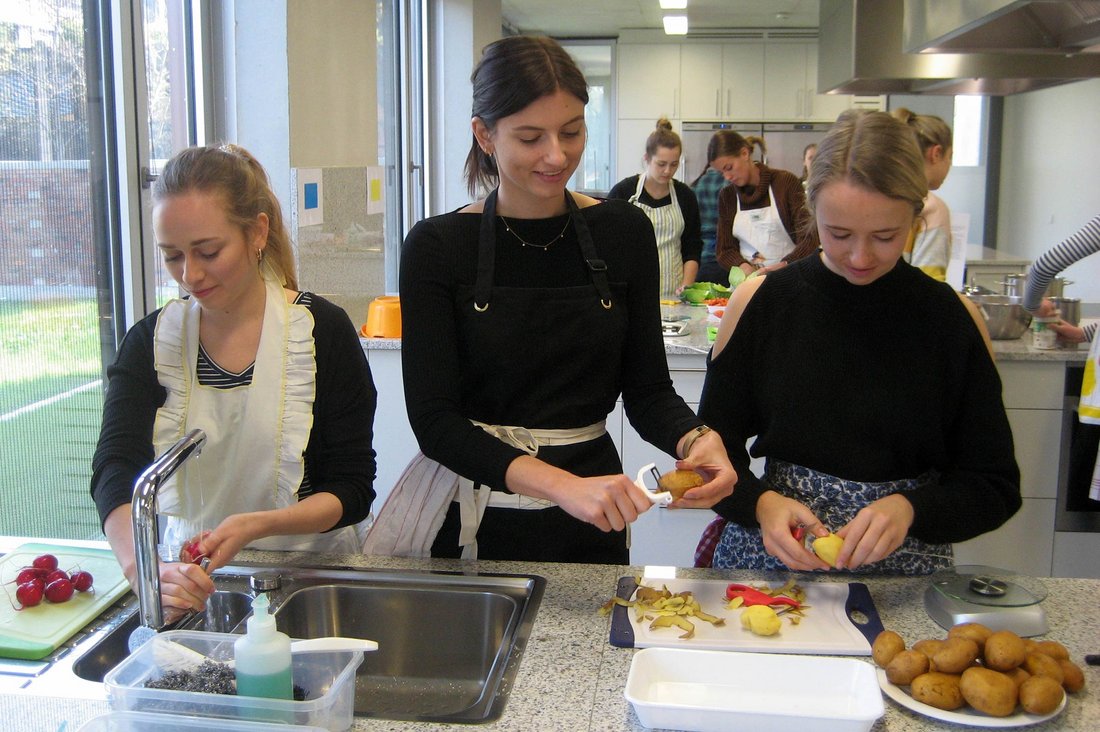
column 929, row 129
column 231, row 171
column 663, row 136
column 727, row 143
column 512, row 73
column 872, row 150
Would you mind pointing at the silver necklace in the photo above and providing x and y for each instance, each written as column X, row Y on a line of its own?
column 544, row 247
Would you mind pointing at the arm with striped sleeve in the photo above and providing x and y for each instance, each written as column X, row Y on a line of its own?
column 1081, row 244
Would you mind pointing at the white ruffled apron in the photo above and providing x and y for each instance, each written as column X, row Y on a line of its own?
column 668, row 227
column 1088, row 411
column 256, row 435
column 761, row 232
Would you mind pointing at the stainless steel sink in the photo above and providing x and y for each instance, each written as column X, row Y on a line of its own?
column 449, row 644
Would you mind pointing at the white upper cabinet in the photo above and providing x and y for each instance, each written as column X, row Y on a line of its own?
column 721, row 81
column 649, row 81
column 790, row 85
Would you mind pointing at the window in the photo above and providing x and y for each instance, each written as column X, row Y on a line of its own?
column 594, row 59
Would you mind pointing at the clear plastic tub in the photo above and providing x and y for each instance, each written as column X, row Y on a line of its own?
column 328, row 679
column 147, row 722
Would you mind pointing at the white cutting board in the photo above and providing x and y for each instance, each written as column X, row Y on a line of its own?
column 841, row 620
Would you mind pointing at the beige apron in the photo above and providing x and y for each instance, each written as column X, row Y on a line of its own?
column 668, row 226
column 761, row 232
column 256, row 434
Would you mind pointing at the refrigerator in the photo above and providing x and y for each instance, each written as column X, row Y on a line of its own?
column 785, row 142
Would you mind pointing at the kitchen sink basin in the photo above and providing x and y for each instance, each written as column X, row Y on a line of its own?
column 449, row 644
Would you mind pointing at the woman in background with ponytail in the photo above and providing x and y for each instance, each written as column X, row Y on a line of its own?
column 931, row 247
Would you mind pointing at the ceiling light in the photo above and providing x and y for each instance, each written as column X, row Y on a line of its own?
column 673, row 4
column 676, row 25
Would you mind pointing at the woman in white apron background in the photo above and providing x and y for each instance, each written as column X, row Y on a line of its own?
column 930, row 250
column 276, row 378
column 1081, row 244
column 671, row 207
column 763, row 222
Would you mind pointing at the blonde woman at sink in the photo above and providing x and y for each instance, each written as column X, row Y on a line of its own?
column 529, row 312
column 274, row 376
column 930, row 247
column 866, row 385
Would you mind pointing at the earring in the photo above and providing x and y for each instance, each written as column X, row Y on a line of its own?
column 259, row 255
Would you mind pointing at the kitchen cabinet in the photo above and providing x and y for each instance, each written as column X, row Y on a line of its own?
column 721, row 81
column 790, row 85
column 648, row 81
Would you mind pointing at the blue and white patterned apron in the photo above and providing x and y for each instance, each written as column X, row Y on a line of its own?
column 835, row 502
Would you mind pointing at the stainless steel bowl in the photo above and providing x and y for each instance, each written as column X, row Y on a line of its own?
column 1004, row 316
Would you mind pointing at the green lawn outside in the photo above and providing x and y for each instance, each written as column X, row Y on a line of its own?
column 48, row 349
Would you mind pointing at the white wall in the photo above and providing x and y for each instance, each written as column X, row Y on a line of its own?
column 1050, row 175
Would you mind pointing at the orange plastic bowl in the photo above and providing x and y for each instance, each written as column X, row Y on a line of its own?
column 383, row 318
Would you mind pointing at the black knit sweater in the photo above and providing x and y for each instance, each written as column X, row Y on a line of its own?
column 869, row 383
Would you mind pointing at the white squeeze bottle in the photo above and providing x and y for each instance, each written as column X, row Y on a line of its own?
column 263, row 656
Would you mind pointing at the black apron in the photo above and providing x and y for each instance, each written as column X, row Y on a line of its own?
column 569, row 340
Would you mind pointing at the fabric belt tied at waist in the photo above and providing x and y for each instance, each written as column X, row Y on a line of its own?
column 529, row 440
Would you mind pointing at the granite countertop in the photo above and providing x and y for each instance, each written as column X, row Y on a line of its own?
column 694, row 341
column 570, row 677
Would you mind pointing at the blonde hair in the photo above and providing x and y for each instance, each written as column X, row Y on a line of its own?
column 663, row 136
column 929, row 129
column 873, row 150
column 234, row 173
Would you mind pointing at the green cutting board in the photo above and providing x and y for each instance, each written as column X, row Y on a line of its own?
column 35, row 632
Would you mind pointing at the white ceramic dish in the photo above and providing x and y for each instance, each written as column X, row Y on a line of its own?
column 716, row 691
column 967, row 716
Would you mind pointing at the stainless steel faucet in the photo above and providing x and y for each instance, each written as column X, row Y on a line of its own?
column 144, row 510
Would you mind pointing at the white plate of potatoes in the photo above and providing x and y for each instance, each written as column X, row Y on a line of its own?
column 965, row 715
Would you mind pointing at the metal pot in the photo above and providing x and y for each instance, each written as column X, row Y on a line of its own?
column 1014, row 285
column 1069, row 308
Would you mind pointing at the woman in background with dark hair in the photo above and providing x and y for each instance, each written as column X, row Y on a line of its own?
column 533, row 309
column 762, row 216
column 669, row 205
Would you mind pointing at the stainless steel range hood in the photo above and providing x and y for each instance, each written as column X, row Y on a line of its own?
column 860, row 52
column 1061, row 27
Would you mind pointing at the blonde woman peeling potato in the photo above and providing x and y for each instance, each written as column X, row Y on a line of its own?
column 869, row 387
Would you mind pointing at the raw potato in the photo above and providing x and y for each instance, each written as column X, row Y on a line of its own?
column 989, row 691
column 761, row 620
column 1018, row 675
column 828, row 548
column 1073, row 678
column 955, row 655
column 887, row 645
column 928, row 647
column 974, row 631
column 1040, row 695
column 678, row 482
column 1004, row 651
column 938, row 690
column 1040, row 664
column 1054, row 649
column 906, row 666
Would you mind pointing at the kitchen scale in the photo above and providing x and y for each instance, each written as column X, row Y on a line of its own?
column 996, row 598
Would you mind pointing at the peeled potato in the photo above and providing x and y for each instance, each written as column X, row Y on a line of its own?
column 939, row 690
column 887, row 645
column 1040, row 695
column 761, row 620
column 828, row 548
column 679, row 482
column 989, row 691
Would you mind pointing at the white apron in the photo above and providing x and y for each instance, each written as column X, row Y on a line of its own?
column 256, row 435
column 1089, row 409
column 668, row 226
column 761, row 232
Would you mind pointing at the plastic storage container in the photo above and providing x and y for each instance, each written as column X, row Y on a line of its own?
column 716, row 691
column 328, row 679
column 146, row 722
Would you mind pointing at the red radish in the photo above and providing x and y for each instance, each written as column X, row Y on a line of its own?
column 27, row 574
column 55, row 575
column 29, row 594
column 47, row 562
column 60, row 590
column 82, row 581
column 191, row 553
